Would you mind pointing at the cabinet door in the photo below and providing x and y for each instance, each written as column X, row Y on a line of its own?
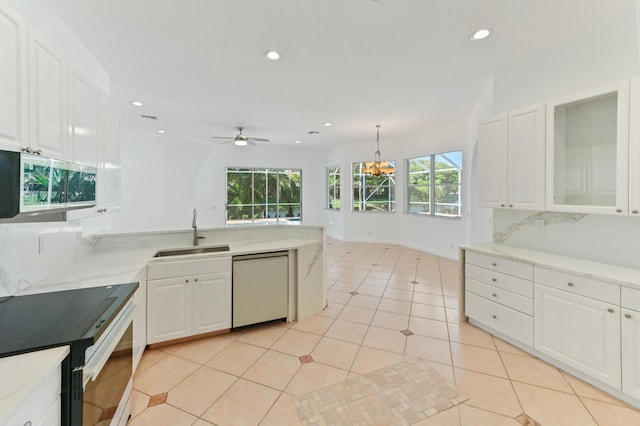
column 47, row 94
column 13, row 80
column 634, row 149
column 109, row 195
column 84, row 102
column 492, row 162
column 587, row 152
column 211, row 302
column 580, row 332
column 168, row 309
column 526, row 158
column 631, row 353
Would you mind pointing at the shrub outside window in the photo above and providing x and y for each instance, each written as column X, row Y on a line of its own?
column 373, row 193
column 263, row 195
column 333, row 187
column 434, row 183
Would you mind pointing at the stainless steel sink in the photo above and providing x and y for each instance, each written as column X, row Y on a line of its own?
column 192, row 250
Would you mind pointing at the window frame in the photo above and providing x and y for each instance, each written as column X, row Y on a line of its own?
column 266, row 206
column 361, row 200
column 433, row 202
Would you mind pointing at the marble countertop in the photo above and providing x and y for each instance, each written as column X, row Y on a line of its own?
column 21, row 374
column 625, row 276
column 122, row 266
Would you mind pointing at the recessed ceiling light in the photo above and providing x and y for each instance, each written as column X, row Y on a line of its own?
column 136, row 103
column 273, row 55
column 162, row 132
column 480, row 34
column 327, row 124
column 297, row 141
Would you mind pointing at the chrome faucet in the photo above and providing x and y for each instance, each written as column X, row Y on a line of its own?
column 194, row 225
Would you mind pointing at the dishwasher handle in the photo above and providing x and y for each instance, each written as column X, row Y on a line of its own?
column 261, row 255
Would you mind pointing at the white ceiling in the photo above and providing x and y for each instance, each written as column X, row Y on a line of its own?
column 409, row 65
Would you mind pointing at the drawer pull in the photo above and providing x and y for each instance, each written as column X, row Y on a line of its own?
column 494, row 295
column 494, row 316
column 618, row 210
column 627, row 316
column 195, row 279
column 634, row 211
column 494, row 279
column 186, row 281
column 494, row 264
column 570, row 284
column 610, row 310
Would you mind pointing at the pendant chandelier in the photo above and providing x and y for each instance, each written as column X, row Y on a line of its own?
column 377, row 167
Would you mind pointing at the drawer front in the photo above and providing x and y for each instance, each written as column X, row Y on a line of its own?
column 514, row 324
column 631, row 298
column 33, row 407
column 576, row 284
column 504, row 297
column 510, row 267
column 497, row 279
column 160, row 270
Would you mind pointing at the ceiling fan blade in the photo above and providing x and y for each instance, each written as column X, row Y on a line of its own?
column 258, row 139
column 222, row 137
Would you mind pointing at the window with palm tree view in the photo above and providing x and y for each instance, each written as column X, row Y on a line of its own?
column 263, row 195
column 374, row 192
column 434, row 183
column 333, row 187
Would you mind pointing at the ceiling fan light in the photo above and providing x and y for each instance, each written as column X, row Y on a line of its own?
column 240, row 142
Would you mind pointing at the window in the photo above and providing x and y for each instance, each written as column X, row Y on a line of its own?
column 434, row 183
column 373, row 193
column 333, row 187
column 263, row 195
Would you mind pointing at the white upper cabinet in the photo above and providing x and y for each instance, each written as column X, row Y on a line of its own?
column 109, row 171
column 13, row 80
column 492, row 160
column 587, row 151
column 84, row 113
column 634, row 149
column 47, row 98
column 511, row 160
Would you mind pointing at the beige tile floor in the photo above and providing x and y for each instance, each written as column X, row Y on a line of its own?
column 375, row 292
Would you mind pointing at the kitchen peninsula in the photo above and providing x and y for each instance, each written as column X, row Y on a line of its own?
column 107, row 259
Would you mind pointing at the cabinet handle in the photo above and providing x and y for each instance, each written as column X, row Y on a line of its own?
column 510, row 205
column 634, row 211
column 494, row 279
column 494, row 316
column 195, row 279
column 186, row 281
column 627, row 316
column 618, row 210
column 494, row 264
column 38, row 152
column 570, row 284
column 494, row 295
column 610, row 310
column 501, row 205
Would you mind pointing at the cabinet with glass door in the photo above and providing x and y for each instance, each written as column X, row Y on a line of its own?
column 587, row 152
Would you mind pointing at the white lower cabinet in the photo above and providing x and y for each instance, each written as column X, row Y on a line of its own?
column 186, row 305
column 631, row 353
column 580, row 332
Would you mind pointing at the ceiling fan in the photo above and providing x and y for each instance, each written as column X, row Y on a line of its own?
column 240, row 139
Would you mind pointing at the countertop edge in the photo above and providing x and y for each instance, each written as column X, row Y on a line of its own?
column 625, row 276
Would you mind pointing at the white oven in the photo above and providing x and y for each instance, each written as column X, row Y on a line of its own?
column 107, row 373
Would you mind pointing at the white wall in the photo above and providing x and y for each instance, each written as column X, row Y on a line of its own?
column 164, row 179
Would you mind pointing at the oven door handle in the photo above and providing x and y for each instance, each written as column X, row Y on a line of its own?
column 100, row 357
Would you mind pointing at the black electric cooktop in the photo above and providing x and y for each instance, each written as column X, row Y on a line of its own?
column 45, row 320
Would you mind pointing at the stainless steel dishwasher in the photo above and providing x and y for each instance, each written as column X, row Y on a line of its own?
column 260, row 287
